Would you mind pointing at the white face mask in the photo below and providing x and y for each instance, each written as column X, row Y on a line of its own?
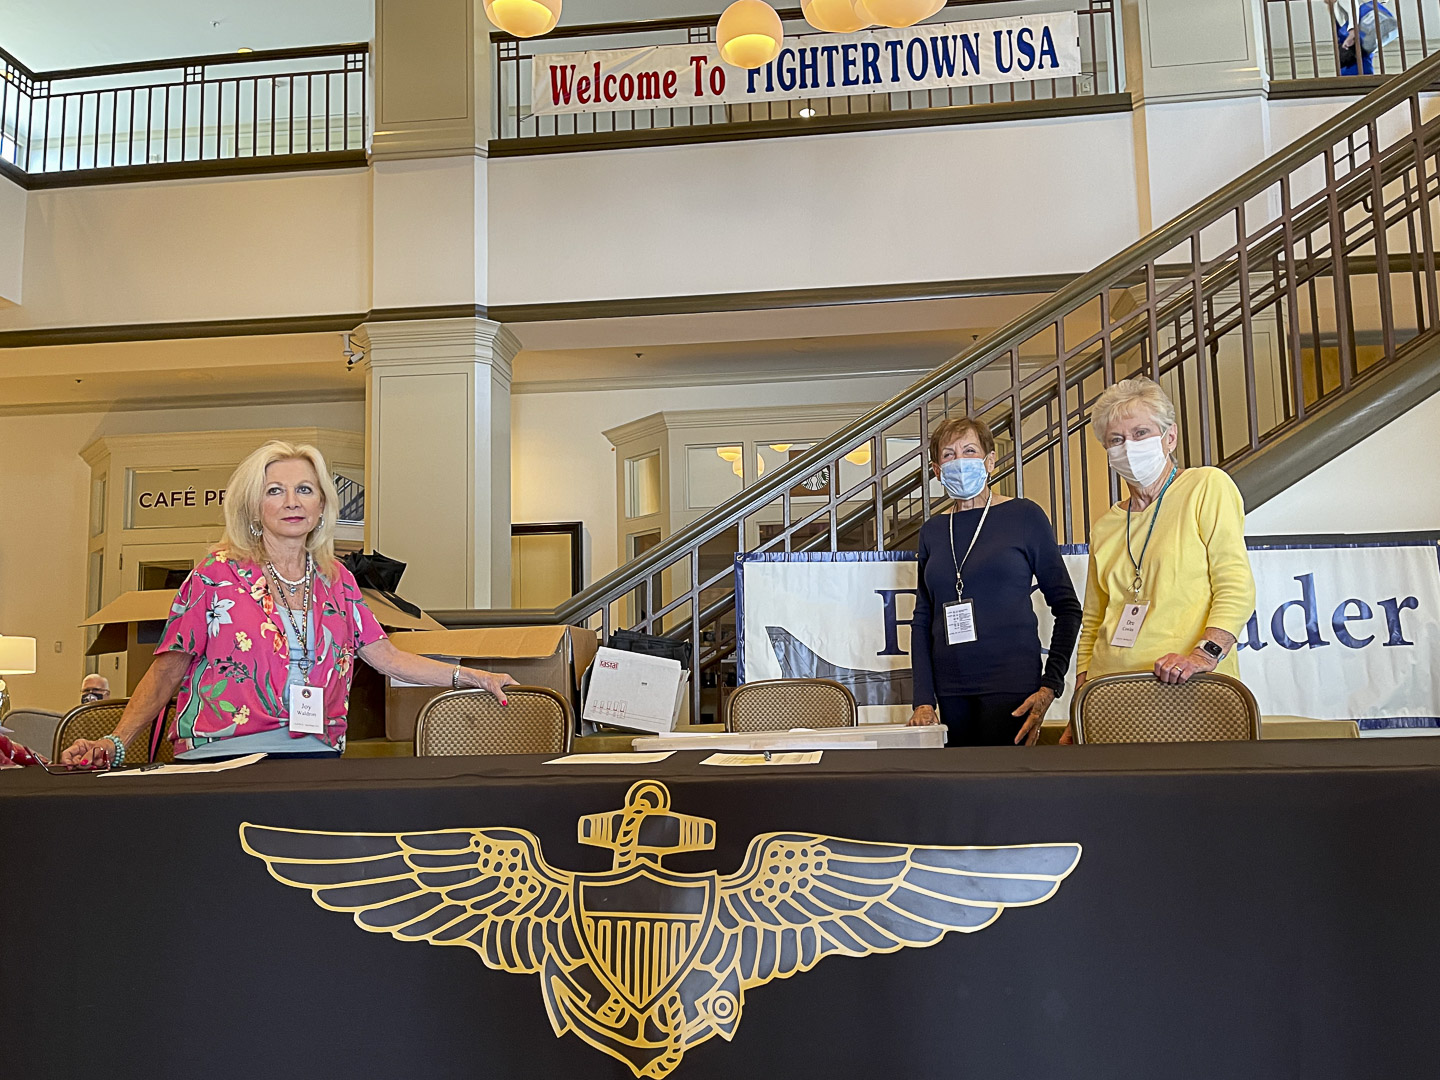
column 1140, row 461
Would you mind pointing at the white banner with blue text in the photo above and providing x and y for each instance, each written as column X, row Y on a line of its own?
column 882, row 61
column 1342, row 630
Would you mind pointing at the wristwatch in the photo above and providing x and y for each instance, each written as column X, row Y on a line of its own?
column 1214, row 651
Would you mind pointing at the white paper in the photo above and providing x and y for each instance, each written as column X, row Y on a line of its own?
column 180, row 768
column 759, row 759
column 623, row 758
column 959, row 622
column 307, row 709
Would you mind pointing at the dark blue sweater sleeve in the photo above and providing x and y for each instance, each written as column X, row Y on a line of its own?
column 1059, row 592
column 920, row 634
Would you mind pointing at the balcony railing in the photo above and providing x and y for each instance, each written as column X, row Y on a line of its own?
column 285, row 105
column 1302, row 41
column 1101, row 76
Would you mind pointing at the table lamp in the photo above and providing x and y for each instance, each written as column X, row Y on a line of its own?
column 17, row 657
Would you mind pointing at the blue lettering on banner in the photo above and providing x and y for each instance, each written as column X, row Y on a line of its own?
column 869, row 62
column 1392, row 610
column 785, row 78
column 848, row 61
column 812, row 65
column 892, row 621
column 943, row 49
column 910, row 51
column 1312, row 618
column 1047, row 48
column 1025, row 47
column 1252, row 638
column 970, row 53
column 893, row 46
column 1342, row 617
column 829, row 51
column 1002, row 64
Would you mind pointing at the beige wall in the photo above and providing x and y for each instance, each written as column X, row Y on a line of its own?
column 563, row 468
column 44, row 488
column 183, row 250
column 12, row 241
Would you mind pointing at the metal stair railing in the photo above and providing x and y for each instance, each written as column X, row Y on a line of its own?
column 1262, row 304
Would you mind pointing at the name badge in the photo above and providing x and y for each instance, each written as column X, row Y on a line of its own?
column 1131, row 619
column 959, row 622
column 307, row 709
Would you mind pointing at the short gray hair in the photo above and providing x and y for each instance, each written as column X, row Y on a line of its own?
column 1128, row 397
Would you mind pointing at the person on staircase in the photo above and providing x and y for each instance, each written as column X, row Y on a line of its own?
column 1169, row 585
column 975, row 641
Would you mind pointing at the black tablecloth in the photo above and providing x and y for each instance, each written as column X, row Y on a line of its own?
column 1240, row 910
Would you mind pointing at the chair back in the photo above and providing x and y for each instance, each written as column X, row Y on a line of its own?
column 34, row 728
column 1138, row 707
column 537, row 721
column 96, row 720
column 782, row 704
column 160, row 740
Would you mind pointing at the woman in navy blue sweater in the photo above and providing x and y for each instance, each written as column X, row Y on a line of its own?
column 977, row 654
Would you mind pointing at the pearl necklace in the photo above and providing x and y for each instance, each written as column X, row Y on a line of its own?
column 293, row 586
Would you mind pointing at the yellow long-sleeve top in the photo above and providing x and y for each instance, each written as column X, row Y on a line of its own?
column 1196, row 574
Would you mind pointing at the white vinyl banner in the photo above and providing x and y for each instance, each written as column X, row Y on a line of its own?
column 880, row 61
column 1340, row 631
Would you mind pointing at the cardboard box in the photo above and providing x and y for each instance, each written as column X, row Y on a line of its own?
column 635, row 691
column 133, row 622
column 549, row 656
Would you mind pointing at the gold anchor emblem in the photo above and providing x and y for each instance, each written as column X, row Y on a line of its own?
column 643, row 962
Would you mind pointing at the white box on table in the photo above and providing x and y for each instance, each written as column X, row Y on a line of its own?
column 636, row 691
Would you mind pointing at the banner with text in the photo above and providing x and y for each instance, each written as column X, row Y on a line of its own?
column 880, row 61
column 1341, row 631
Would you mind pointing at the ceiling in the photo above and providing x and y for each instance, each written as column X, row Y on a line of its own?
column 41, row 33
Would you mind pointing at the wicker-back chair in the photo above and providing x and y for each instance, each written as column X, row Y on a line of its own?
column 537, row 721
column 96, row 720
column 782, row 704
column 164, row 748
column 1138, row 707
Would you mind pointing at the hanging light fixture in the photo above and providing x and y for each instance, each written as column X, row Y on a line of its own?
column 749, row 34
column 523, row 18
column 897, row 13
column 834, row 16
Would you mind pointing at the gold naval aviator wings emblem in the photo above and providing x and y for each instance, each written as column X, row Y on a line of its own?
column 643, row 962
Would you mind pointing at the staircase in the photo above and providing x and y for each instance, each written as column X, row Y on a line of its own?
column 1288, row 315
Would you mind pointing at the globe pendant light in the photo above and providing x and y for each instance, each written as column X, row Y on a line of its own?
column 834, row 16
column 897, row 13
column 749, row 34
column 523, row 18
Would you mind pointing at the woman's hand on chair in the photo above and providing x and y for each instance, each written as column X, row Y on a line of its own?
column 487, row 680
column 923, row 716
column 94, row 753
column 1033, row 708
column 1174, row 668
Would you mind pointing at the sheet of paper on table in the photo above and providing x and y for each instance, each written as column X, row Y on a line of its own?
column 760, row 759
column 179, row 768
column 624, row 758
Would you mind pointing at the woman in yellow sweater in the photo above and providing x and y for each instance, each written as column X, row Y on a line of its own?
column 1169, row 586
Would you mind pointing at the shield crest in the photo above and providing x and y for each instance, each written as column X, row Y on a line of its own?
column 642, row 927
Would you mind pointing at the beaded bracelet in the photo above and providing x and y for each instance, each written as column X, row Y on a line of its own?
column 118, row 757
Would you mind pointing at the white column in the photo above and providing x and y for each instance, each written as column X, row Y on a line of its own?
column 438, row 456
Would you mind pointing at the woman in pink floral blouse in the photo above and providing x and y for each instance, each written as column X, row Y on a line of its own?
column 263, row 635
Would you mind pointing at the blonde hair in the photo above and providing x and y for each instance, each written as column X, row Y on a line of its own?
column 1128, row 397
column 246, row 491
column 953, row 428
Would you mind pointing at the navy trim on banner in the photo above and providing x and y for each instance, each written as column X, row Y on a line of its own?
column 743, row 557
column 1396, row 723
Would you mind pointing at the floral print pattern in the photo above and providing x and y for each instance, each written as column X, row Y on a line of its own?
column 222, row 612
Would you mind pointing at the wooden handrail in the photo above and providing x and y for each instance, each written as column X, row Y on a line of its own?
column 304, row 52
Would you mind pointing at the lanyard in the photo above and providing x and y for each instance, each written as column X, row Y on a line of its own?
column 302, row 631
column 960, row 563
column 1139, row 566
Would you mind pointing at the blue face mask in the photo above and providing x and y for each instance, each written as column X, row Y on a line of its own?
column 964, row 478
